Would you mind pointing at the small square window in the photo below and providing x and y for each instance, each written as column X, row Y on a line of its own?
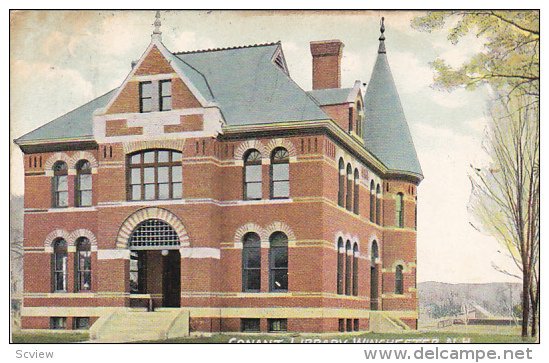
column 249, row 325
column 81, row 323
column 278, row 325
column 58, row 323
column 341, row 325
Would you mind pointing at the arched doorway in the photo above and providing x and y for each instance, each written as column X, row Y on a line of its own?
column 155, row 262
column 374, row 277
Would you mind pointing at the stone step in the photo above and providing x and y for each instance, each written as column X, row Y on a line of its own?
column 127, row 325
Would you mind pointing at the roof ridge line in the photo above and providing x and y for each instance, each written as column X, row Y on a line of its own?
column 228, row 48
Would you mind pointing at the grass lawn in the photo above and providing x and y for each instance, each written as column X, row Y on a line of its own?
column 453, row 334
column 48, row 337
column 409, row 337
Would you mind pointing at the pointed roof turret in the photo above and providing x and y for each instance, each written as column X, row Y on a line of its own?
column 386, row 132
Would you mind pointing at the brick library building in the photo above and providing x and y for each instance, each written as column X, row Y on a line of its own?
column 210, row 193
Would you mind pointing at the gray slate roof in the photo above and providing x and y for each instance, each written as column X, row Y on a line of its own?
column 330, row 96
column 386, row 132
column 72, row 125
column 250, row 88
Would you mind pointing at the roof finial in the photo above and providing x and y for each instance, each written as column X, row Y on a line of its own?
column 382, row 36
column 157, row 34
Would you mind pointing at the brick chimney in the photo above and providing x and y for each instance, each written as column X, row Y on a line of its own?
column 327, row 63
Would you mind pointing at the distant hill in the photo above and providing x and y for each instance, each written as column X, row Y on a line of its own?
column 438, row 299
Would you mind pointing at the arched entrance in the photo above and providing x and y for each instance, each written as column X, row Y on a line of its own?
column 154, row 237
column 374, row 277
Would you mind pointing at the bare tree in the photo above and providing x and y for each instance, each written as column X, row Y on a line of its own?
column 505, row 196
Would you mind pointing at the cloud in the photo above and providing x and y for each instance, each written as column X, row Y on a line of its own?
column 61, row 89
column 457, row 54
column 446, row 240
column 454, row 99
column 410, row 73
column 187, row 40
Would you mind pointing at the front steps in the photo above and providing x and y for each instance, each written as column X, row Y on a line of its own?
column 135, row 325
column 382, row 322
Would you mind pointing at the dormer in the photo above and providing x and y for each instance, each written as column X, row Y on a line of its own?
column 161, row 96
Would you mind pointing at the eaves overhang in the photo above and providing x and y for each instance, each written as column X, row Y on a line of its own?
column 52, row 145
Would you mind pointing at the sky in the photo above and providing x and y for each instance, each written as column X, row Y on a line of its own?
column 60, row 60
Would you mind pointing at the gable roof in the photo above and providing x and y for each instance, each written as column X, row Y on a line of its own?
column 386, row 132
column 250, row 88
column 76, row 124
column 244, row 82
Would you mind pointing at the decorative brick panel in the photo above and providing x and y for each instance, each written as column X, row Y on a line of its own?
column 120, row 128
column 187, row 123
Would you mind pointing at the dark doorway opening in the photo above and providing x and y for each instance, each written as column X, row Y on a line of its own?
column 171, row 279
column 156, row 275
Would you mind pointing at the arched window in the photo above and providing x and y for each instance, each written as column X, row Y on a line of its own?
column 278, row 262
column 251, row 262
column 60, row 185
column 59, row 265
column 415, row 214
column 399, row 280
column 340, row 263
column 348, row 267
column 355, row 269
column 154, row 175
column 372, row 201
column 374, row 276
column 400, row 210
column 153, row 233
column 355, row 193
column 83, row 264
column 83, row 185
column 341, row 192
column 359, row 118
column 349, row 199
column 378, row 204
column 252, row 175
column 280, row 173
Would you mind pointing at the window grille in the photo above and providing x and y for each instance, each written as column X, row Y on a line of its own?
column 153, row 233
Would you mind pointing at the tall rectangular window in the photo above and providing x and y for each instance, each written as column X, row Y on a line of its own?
column 251, row 262
column 280, row 174
column 400, row 210
column 60, row 185
column 252, row 175
column 60, row 268
column 165, row 95
column 278, row 261
column 145, row 96
column 83, row 185
column 155, row 175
